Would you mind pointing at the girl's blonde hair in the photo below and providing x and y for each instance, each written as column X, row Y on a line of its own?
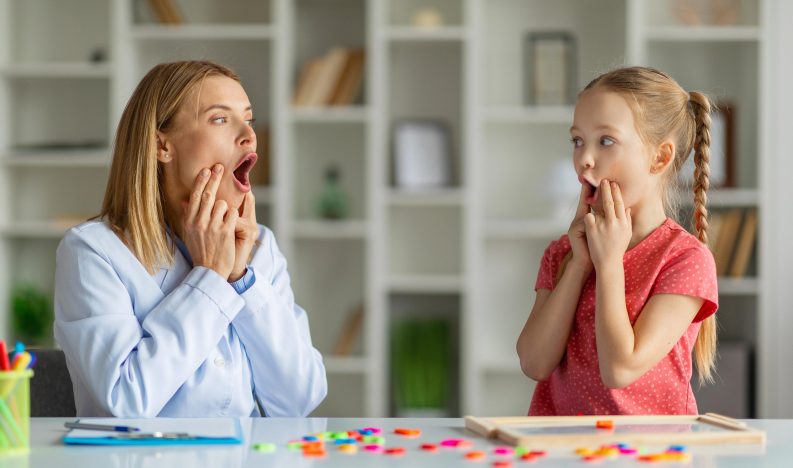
column 134, row 197
column 663, row 109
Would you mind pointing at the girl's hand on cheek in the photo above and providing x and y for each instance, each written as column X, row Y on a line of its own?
column 577, row 234
column 609, row 235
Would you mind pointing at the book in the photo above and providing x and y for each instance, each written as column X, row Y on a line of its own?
column 714, row 228
column 349, row 332
column 725, row 243
column 349, row 83
column 743, row 251
column 309, row 75
column 166, row 11
column 332, row 67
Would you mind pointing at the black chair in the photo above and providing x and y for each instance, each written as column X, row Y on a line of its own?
column 51, row 393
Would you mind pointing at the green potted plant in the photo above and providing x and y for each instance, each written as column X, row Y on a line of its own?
column 31, row 313
column 421, row 360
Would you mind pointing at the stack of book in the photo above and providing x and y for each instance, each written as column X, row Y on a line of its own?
column 331, row 80
column 732, row 239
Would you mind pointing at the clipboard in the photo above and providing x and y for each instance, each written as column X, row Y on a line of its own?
column 161, row 431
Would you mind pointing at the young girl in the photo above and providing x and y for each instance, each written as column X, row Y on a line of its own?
column 626, row 295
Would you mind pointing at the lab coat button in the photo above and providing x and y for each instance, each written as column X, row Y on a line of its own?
column 220, row 362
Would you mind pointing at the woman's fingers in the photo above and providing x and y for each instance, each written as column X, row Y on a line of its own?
column 209, row 193
column 219, row 211
column 194, row 203
column 249, row 207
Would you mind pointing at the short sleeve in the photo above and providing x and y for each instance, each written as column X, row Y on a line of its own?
column 691, row 272
column 549, row 265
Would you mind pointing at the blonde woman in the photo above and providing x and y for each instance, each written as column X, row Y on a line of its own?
column 174, row 301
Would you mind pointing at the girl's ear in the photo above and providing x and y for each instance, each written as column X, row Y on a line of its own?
column 163, row 148
column 663, row 158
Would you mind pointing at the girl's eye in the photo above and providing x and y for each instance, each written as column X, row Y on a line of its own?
column 577, row 142
column 606, row 141
column 219, row 120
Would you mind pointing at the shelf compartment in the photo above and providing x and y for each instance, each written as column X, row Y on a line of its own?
column 211, row 12
column 547, row 229
column 317, row 148
column 424, row 83
column 598, row 26
column 67, row 194
column 402, row 12
column 509, row 271
column 44, row 114
column 329, row 282
column 346, row 364
column 519, row 162
column 424, row 241
column 251, row 60
column 421, row 309
column 39, row 27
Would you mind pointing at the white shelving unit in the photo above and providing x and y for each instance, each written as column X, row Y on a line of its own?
column 468, row 253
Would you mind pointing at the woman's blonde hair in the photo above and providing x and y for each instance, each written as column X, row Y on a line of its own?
column 134, row 197
column 663, row 109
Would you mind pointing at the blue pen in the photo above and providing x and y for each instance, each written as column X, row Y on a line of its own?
column 100, row 427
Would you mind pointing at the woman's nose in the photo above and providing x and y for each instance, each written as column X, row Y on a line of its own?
column 247, row 136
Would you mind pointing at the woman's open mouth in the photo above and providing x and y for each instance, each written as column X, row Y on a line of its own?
column 243, row 170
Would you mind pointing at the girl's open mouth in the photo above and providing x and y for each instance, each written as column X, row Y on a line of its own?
column 242, row 172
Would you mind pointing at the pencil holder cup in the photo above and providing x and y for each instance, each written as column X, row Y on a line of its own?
column 15, row 411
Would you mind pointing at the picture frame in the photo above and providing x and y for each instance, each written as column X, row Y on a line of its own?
column 550, row 62
column 421, row 154
column 722, row 149
column 541, row 432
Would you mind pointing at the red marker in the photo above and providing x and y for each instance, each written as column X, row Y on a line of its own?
column 4, row 364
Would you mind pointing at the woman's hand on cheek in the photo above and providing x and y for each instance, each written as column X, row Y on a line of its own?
column 245, row 234
column 609, row 235
column 209, row 225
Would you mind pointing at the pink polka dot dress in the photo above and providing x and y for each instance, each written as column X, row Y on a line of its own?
column 669, row 261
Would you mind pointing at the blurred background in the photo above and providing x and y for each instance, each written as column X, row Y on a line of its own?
column 414, row 163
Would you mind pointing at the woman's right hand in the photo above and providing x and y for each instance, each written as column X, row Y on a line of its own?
column 208, row 227
column 577, row 235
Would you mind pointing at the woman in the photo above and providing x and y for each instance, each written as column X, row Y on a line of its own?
column 174, row 301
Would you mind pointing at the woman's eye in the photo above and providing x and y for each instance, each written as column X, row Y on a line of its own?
column 219, row 120
column 606, row 141
column 577, row 142
column 251, row 122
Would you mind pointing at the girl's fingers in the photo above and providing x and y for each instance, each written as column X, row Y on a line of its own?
column 194, row 203
column 608, row 201
column 582, row 207
column 619, row 205
column 589, row 220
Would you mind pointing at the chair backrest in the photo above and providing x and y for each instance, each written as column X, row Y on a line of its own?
column 51, row 393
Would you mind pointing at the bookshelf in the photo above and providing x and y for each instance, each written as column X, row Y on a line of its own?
column 467, row 253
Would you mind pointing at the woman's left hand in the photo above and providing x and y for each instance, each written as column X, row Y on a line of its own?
column 246, row 233
column 608, row 235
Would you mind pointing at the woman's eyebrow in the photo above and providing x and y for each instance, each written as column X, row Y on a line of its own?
column 221, row 107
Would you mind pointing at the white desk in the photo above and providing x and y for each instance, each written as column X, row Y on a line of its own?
column 48, row 451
